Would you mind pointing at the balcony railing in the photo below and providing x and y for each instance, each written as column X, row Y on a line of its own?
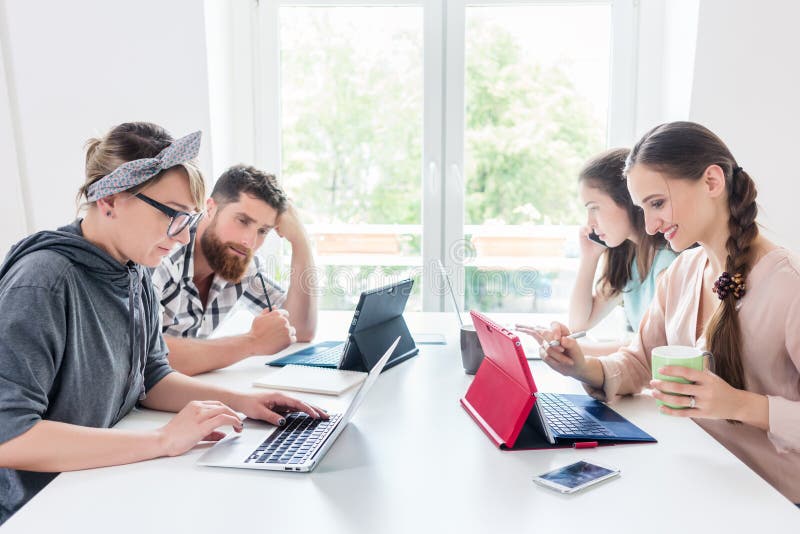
column 507, row 268
column 496, row 247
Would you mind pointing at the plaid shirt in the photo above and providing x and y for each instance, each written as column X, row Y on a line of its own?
column 182, row 311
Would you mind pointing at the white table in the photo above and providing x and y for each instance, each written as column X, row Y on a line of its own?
column 413, row 461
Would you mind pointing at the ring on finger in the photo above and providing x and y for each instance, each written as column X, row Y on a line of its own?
column 692, row 402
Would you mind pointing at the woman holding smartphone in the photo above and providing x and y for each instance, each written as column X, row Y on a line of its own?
column 80, row 343
column 737, row 295
column 614, row 233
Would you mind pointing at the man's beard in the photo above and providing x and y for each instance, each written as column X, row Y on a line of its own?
column 223, row 261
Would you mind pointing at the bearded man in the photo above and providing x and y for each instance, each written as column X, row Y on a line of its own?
column 200, row 283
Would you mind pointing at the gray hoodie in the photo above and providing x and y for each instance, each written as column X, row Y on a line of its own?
column 80, row 343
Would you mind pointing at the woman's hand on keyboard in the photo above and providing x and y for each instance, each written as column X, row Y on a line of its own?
column 271, row 407
column 196, row 422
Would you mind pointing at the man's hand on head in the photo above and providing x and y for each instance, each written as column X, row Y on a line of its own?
column 288, row 225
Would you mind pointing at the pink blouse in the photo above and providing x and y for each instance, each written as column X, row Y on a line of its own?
column 769, row 315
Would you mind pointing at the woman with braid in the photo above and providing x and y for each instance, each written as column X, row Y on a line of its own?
column 737, row 295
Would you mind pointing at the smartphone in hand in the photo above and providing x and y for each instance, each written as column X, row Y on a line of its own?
column 593, row 237
column 576, row 477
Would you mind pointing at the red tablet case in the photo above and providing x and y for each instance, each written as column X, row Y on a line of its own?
column 498, row 400
column 502, row 394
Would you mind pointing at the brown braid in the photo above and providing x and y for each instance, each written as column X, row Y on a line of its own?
column 723, row 333
column 684, row 150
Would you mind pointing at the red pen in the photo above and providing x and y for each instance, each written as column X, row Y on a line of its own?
column 584, row 444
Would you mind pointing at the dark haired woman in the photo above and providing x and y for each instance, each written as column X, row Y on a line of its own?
column 737, row 295
column 632, row 259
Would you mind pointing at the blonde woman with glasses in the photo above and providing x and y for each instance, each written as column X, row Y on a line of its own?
column 80, row 343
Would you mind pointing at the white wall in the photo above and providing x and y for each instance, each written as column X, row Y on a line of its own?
column 665, row 61
column 12, row 205
column 231, row 77
column 79, row 67
column 746, row 87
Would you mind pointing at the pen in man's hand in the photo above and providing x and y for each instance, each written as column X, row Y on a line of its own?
column 264, row 286
column 574, row 335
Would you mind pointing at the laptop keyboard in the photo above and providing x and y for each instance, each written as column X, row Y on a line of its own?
column 565, row 419
column 330, row 356
column 296, row 442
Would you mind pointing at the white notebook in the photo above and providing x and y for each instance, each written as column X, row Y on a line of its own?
column 311, row 379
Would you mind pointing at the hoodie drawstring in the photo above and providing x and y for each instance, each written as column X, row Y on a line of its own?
column 138, row 352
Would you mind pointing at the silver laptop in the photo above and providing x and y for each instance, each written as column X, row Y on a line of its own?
column 297, row 446
column 446, row 278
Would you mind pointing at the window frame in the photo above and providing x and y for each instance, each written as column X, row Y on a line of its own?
column 442, row 164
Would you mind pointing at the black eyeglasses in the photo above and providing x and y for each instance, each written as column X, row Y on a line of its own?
column 179, row 220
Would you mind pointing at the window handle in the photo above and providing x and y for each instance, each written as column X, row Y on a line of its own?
column 455, row 176
column 433, row 178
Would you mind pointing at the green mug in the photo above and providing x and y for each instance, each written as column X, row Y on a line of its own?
column 679, row 356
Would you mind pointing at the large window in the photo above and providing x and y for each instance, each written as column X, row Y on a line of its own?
column 537, row 80
column 351, row 136
column 427, row 130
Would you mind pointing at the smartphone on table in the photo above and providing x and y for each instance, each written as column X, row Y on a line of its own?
column 594, row 237
column 576, row 477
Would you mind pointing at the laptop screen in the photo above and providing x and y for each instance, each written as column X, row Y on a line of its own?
column 372, row 377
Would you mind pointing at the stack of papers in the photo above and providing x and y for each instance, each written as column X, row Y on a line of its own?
column 311, row 379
